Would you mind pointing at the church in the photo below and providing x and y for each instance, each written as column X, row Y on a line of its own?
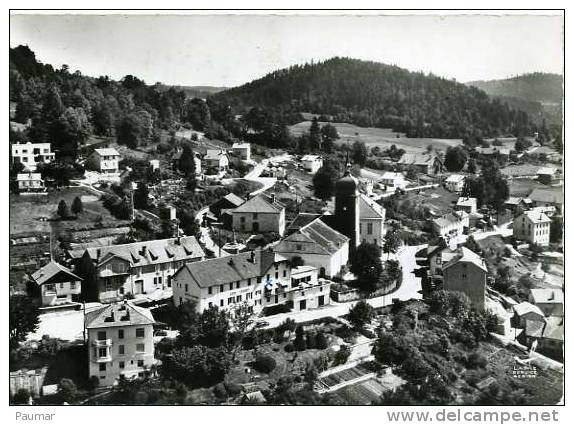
column 324, row 240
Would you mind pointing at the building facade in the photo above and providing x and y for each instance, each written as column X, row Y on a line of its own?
column 371, row 221
column 455, row 182
column 312, row 163
column 532, row 226
column 113, row 272
column 120, row 342
column 260, row 214
column 216, row 158
column 56, row 285
column 30, row 154
column 105, row 160
column 451, row 225
column 30, row 183
column 466, row 273
column 242, row 151
column 393, row 180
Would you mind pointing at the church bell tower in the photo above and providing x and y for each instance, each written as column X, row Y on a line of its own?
column 347, row 207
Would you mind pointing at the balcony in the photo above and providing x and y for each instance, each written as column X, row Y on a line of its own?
column 102, row 343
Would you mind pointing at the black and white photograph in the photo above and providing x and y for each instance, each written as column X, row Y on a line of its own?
column 289, row 208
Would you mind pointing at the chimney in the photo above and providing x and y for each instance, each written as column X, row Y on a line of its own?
column 98, row 254
column 144, row 250
column 272, row 198
column 230, row 262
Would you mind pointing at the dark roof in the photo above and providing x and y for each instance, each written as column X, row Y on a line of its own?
column 369, row 208
column 302, row 220
column 124, row 314
column 347, row 184
column 318, row 238
column 231, row 268
column 260, row 204
column 50, row 271
column 156, row 251
column 554, row 196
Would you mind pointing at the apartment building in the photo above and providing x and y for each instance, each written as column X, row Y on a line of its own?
column 30, row 154
column 120, row 342
column 112, row 272
column 532, row 226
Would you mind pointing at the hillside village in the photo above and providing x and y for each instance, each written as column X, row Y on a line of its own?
column 172, row 258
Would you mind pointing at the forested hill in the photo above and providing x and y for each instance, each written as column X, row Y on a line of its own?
column 535, row 87
column 374, row 94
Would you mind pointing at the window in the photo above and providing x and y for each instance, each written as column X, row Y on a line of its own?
column 230, row 286
column 102, row 352
column 140, row 332
column 238, row 284
column 121, row 349
column 102, row 335
column 140, row 363
column 62, row 285
column 299, row 247
column 140, row 348
column 102, row 367
column 122, row 365
column 210, row 290
column 254, row 216
column 121, row 334
column 238, row 298
column 220, row 288
column 72, row 285
column 186, row 287
column 242, row 219
column 220, row 303
column 229, row 300
column 210, row 304
column 276, row 275
column 249, row 296
column 369, row 228
column 259, row 279
column 248, row 282
column 464, row 275
column 284, row 273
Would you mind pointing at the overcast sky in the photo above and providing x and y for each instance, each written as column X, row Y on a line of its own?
column 231, row 50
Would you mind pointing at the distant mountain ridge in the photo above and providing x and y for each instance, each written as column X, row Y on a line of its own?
column 535, row 87
column 371, row 94
column 197, row 91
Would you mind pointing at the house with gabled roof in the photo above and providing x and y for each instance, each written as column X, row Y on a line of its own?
column 546, row 336
column 549, row 300
column 532, row 226
column 452, row 224
column 216, row 158
column 455, row 182
column 312, row 163
column 551, row 196
column 260, row 214
column 423, row 162
column 120, row 342
column 371, row 221
column 113, row 272
column 526, row 311
column 466, row 272
column 105, row 160
column 56, row 285
column 318, row 244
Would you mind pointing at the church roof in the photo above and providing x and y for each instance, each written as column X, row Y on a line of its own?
column 369, row 208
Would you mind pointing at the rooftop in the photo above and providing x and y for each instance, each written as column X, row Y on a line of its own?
column 51, row 270
column 455, row 178
column 526, row 307
column 28, row 176
column 465, row 255
column 317, row 238
column 546, row 296
column 417, row 159
column 369, row 208
column 536, row 217
column 260, row 204
column 464, row 201
column 119, row 314
column 214, row 153
column 549, row 195
column 107, row 152
column 231, row 268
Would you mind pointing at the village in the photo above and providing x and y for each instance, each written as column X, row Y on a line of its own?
column 281, row 268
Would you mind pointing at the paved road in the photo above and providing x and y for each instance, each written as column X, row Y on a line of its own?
column 410, row 289
column 267, row 182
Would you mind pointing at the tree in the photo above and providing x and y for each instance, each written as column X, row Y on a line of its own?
column 361, row 314
column 471, row 166
column 197, row 113
column 359, row 153
column 342, row 355
column 186, row 162
column 392, row 242
column 22, row 397
column 300, row 342
column 77, row 205
column 311, row 374
column 315, row 137
column 329, row 134
column 210, row 328
column 141, row 196
column 522, row 144
column 556, row 229
column 71, row 130
column 197, row 366
column 63, row 210
column 242, row 321
column 472, row 244
column 135, row 129
column 264, row 363
column 455, row 159
column 366, row 265
column 23, row 318
column 67, row 390
column 324, row 181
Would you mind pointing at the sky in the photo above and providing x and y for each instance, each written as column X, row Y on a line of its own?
column 229, row 50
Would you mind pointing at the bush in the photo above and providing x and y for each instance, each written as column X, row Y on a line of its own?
column 276, row 309
column 22, row 396
column 264, row 363
column 321, row 341
column 311, row 340
column 289, row 348
column 300, row 343
column 342, row 355
column 476, row 360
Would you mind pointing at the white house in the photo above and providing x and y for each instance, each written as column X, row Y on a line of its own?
column 312, row 163
column 30, row 154
column 259, row 214
column 316, row 243
column 242, row 151
column 30, row 183
column 455, row 182
column 393, row 180
column 120, row 342
column 216, row 158
column 466, row 204
column 532, row 226
column 105, row 160
column 451, row 224
column 371, row 221
column 57, row 284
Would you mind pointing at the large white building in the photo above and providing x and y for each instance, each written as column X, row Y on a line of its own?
column 532, row 226
column 316, row 243
column 30, row 154
column 30, row 183
column 451, row 224
column 242, row 151
column 455, row 182
column 260, row 214
column 393, row 180
column 120, row 342
column 113, row 272
column 257, row 279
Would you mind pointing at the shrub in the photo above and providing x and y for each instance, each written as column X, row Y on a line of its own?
column 476, row 360
column 321, row 341
column 311, row 340
column 289, row 348
column 22, row 396
column 276, row 309
column 300, row 342
column 264, row 363
column 342, row 355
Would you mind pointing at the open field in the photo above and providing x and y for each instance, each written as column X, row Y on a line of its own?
column 26, row 211
column 382, row 137
column 523, row 187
